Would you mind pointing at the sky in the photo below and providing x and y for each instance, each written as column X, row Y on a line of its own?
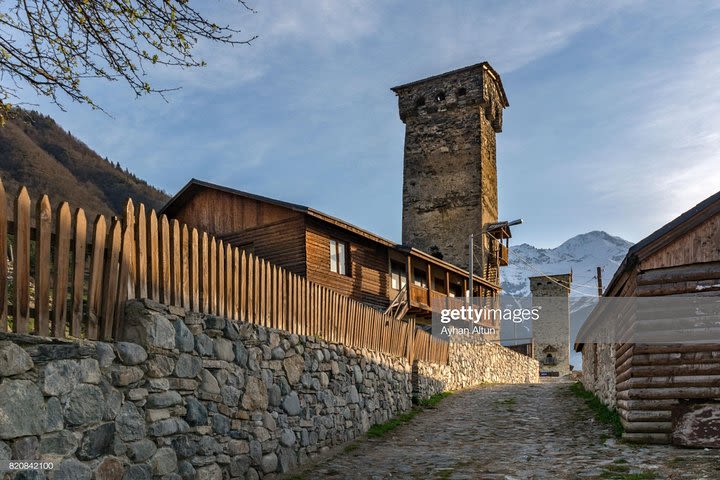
column 613, row 124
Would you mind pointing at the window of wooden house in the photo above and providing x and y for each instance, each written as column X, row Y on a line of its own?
column 339, row 257
column 398, row 275
column 419, row 277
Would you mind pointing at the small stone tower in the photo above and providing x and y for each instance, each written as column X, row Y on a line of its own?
column 450, row 176
column 551, row 332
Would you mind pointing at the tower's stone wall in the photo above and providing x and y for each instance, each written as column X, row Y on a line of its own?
column 450, row 174
column 551, row 332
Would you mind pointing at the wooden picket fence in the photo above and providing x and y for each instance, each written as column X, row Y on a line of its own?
column 82, row 281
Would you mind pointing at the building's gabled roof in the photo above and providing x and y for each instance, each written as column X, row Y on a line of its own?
column 663, row 236
column 484, row 65
column 194, row 186
column 657, row 240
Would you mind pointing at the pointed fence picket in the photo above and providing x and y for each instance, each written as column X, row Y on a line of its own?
column 68, row 280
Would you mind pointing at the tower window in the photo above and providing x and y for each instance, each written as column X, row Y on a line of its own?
column 420, row 102
column 440, row 96
column 461, row 91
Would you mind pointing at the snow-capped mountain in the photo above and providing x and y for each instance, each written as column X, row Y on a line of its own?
column 582, row 254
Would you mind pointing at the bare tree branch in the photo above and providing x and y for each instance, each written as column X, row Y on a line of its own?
column 52, row 45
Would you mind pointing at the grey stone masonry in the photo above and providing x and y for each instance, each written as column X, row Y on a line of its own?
column 189, row 396
column 450, row 172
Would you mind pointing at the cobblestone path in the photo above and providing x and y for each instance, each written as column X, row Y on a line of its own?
column 512, row 432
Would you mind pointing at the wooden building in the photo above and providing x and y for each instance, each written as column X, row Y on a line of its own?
column 331, row 252
column 664, row 392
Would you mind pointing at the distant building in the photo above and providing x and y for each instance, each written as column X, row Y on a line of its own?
column 664, row 392
column 551, row 331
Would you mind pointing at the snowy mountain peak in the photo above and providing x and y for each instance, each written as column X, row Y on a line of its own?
column 582, row 254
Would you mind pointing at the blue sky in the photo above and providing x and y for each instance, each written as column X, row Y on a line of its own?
column 613, row 124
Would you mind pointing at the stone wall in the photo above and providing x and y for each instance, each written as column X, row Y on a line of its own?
column 473, row 364
column 189, row 396
column 598, row 374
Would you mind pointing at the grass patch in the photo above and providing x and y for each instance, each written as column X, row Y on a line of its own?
column 434, row 400
column 350, row 448
column 380, row 429
column 602, row 413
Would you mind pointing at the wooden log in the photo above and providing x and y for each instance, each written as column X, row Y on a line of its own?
column 690, row 358
column 185, row 266
column 683, row 273
column 21, row 268
column 671, row 381
column 677, row 288
column 676, row 370
column 42, row 266
column 647, row 405
column 647, row 438
column 110, row 282
column 646, row 427
column 153, row 252
column 195, row 263
column 673, row 393
column 676, row 348
column 97, row 265
column 646, row 416
column 62, row 269
column 165, row 261
column 78, row 284
column 176, row 263
column 3, row 260
column 141, row 270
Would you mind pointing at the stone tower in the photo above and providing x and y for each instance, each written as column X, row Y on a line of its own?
column 551, row 332
column 450, row 176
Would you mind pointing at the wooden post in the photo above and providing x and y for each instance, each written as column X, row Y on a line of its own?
column 97, row 265
column 62, row 267
column 599, row 281
column 42, row 266
column 78, row 272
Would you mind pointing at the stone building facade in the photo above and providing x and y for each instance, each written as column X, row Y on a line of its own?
column 551, row 332
column 450, row 174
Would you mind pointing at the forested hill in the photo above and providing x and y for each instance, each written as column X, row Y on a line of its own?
column 37, row 153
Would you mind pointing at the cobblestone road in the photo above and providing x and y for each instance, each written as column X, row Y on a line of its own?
column 512, row 432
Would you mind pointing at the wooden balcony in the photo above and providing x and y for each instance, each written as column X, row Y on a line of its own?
column 503, row 254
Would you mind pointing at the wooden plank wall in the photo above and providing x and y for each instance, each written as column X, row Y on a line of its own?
column 78, row 281
column 368, row 281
